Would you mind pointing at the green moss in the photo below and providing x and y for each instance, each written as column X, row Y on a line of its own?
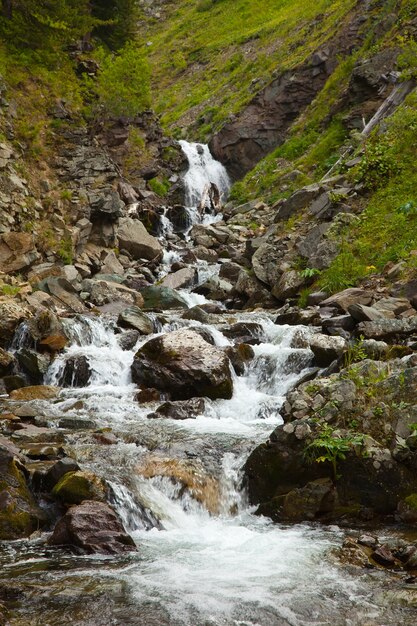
column 411, row 501
column 74, row 487
column 17, row 516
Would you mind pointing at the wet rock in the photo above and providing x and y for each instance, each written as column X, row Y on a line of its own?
column 12, row 314
column 185, row 277
column 368, row 540
column 93, row 528
column 75, row 487
column 37, row 392
column 61, row 289
column 214, row 288
column 163, row 298
column 182, row 364
column 313, row 501
column 76, row 373
column 240, row 356
column 7, row 363
column 198, row 314
column 180, row 410
column 128, row 339
column 133, row 237
column 383, row 556
column 327, row 349
column 245, row 332
column 133, row 317
column 204, row 254
column 34, row 365
column 57, row 471
column 13, row 382
column 19, row 514
column 346, row 298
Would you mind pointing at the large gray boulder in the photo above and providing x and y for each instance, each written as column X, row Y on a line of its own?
column 183, row 365
column 133, row 237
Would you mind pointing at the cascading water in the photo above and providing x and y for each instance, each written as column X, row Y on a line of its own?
column 204, row 558
column 206, row 183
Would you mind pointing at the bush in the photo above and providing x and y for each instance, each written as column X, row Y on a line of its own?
column 123, row 85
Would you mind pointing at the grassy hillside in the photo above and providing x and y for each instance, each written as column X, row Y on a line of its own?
column 209, row 57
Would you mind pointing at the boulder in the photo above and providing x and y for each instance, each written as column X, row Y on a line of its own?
column 34, row 365
column 265, row 263
column 76, row 372
column 112, row 265
column 184, row 365
column 92, row 528
column 294, row 316
column 214, row 288
column 156, row 297
column 17, row 252
column 106, row 204
column 133, row 237
column 180, row 410
column 19, row 514
column 74, row 487
column 128, row 339
column 344, row 299
column 7, row 363
column 362, row 313
column 133, row 317
column 299, row 200
column 288, row 285
column 327, row 349
column 240, row 356
column 186, row 277
column 388, row 328
column 37, row 392
column 245, row 332
column 12, row 314
column 57, row 471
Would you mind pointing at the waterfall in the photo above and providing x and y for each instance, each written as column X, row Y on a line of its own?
column 206, row 183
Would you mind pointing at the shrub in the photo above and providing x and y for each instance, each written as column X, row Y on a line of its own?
column 123, row 85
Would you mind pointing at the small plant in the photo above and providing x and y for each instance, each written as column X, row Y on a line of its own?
column 409, row 208
column 309, row 272
column 378, row 411
column 158, row 186
column 65, row 251
column 332, row 448
column 66, row 194
column 355, row 352
column 9, row 290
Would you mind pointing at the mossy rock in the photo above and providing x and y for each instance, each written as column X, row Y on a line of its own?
column 19, row 514
column 75, row 487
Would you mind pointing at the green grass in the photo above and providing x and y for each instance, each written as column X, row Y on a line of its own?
column 206, row 55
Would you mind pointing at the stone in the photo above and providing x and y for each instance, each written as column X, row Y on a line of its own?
column 133, row 317
column 7, row 363
column 111, row 265
column 163, row 298
column 92, row 528
column 215, row 288
column 133, row 237
column 180, row 410
column 245, row 332
column 362, row 313
column 184, row 365
column 294, row 316
column 299, row 200
column 240, row 356
column 128, row 339
column 75, row 487
column 57, row 471
column 12, row 313
column 229, row 271
column 265, row 263
column 383, row 556
column 307, row 247
column 344, row 299
column 19, row 514
column 186, row 277
column 204, row 254
column 387, row 328
column 105, row 204
column 345, row 322
column 37, row 392
column 13, row 382
column 327, row 349
column 313, row 501
column 17, row 252
column 198, row 314
column 76, row 372
column 34, row 365
column 288, row 285
column 65, row 293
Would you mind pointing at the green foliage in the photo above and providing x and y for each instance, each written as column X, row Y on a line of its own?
column 309, row 272
column 9, row 290
column 355, row 352
column 118, row 21
column 407, row 61
column 66, row 251
column 332, row 447
column 158, row 186
column 378, row 164
column 123, row 84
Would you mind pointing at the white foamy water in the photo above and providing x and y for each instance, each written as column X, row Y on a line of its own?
column 204, row 177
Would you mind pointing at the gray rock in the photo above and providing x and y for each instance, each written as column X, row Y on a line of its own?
column 180, row 410
column 344, row 299
column 327, row 349
column 182, row 364
column 133, row 317
column 388, row 328
column 298, row 201
column 288, row 285
column 185, row 277
column 133, row 237
column 362, row 313
column 107, row 204
column 35, row 365
column 128, row 339
column 156, row 297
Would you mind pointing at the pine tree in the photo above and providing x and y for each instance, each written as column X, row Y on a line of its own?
column 120, row 16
